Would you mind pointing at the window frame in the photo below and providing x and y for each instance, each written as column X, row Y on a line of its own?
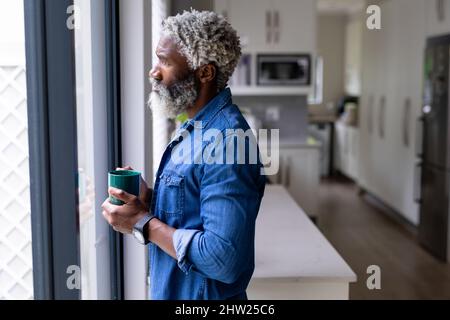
column 52, row 137
column 113, row 95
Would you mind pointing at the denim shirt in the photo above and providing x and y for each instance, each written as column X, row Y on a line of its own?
column 212, row 206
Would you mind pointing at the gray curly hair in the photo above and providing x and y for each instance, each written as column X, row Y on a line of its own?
column 205, row 37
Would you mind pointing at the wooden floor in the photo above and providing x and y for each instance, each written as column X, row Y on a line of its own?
column 364, row 235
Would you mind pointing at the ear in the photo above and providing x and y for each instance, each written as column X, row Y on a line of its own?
column 206, row 73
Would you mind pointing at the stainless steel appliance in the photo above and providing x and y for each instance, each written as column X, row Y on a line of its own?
column 435, row 152
column 283, row 69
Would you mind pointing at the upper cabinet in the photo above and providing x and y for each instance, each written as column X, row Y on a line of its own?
column 438, row 17
column 353, row 47
column 281, row 26
column 249, row 19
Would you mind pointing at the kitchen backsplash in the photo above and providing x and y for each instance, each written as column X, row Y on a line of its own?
column 287, row 113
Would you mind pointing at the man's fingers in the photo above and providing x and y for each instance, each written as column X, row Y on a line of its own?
column 112, row 222
column 107, row 217
column 105, row 203
column 124, row 168
column 108, row 206
column 121, row 195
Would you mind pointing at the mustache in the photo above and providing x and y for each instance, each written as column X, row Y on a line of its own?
column 157, row 85
column 177, row 88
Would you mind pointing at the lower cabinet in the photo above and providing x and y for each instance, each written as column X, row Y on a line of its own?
column 299, row 173
column 346, row 150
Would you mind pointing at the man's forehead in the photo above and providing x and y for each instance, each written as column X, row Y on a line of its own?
column 166, row 45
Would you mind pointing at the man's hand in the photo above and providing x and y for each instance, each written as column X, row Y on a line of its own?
column 145, row 193
column 123, row 218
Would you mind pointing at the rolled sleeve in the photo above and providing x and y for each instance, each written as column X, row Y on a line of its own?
column 181, row 241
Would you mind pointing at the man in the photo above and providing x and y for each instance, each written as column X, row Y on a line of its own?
column 201, row 220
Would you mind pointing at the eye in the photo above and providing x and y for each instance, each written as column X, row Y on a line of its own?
column 164, row 62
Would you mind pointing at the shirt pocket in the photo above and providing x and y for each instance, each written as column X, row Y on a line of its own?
column 171, row 194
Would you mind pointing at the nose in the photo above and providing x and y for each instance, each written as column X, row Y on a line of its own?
column 155, row 73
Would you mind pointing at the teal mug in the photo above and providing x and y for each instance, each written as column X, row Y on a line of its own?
column 126, row 180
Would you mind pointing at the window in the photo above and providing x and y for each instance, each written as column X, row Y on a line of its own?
column 54, row 242
column 92, row 147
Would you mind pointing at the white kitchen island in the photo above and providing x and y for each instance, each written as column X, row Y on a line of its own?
column 293, row 260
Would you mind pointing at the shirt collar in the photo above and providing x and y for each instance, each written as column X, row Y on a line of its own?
column 206, row 113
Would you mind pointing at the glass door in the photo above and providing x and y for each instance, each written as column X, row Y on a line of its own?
column 68, row 149
column 92, row 148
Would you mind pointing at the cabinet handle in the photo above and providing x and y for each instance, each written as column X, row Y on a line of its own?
column 268, row 26
column 370, row 114
column 381, row 117
column 406, row 116
column 276, row 25
column 419, row 136
column 417, row 182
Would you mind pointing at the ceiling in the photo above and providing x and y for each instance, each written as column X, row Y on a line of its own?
column 340, row 6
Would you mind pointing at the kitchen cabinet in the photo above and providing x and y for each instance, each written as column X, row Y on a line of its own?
column 390, row 104
column 271, row 26
column 353, row 40
column 249, row 19
column 346, row 146
column 299, row 173
column 438, row 17
column 297, row 25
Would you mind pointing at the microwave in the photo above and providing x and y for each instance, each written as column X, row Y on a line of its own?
column 283, row 69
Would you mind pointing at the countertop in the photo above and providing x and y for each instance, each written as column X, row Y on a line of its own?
column 288, row 245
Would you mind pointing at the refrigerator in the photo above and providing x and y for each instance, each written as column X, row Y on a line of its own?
column 434, row 153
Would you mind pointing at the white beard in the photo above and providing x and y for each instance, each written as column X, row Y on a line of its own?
column 158, row 106
column 172, row 101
